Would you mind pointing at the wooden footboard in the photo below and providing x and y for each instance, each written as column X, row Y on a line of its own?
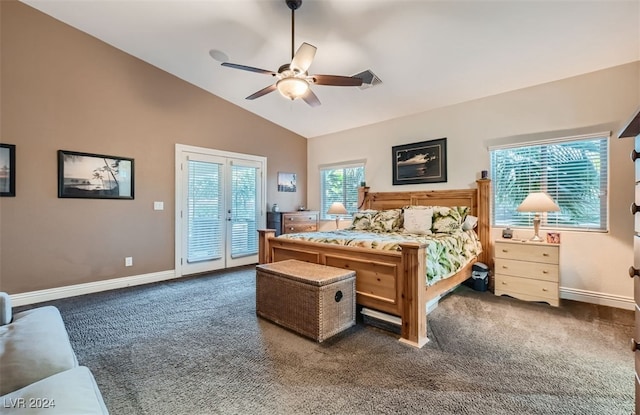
column 390, row 281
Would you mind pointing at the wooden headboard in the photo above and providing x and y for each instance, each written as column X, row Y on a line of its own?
column 477, row 199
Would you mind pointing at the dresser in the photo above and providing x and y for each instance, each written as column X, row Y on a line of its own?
column 293, row 222
column 632, row 130
column 529, row 271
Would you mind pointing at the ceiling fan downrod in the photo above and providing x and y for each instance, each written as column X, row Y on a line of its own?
column 293, row 5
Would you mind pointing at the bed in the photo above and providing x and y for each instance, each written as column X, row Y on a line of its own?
column 392, row 281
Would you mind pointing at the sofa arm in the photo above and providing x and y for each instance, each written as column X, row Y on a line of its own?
column 35, row 345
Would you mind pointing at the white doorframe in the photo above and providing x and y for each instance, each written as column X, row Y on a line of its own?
column 180, row 150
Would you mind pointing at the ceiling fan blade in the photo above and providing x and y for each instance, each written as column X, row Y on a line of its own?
column 303, row 57
column 263, row 91
column 310, row 98
column 336, row 80
column 248, row 68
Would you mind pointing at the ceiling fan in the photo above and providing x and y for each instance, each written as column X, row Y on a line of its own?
column 293, row 81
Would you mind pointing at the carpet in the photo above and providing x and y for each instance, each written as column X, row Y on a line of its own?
column 195, row 346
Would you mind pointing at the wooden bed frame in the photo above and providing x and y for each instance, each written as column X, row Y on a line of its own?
column 391, row 281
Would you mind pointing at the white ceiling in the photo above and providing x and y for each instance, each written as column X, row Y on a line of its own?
column 428, row 54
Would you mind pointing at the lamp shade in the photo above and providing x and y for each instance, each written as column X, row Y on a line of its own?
column 292, row 87
column 337, row 208
column 538, row 202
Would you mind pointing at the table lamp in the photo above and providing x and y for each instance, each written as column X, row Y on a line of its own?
column 337, row 209
column 537, row 202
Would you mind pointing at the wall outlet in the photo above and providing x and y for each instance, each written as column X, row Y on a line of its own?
column 128, row 261
column 158, row 205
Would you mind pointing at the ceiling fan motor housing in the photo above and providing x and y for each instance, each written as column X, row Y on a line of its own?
column 293, row 4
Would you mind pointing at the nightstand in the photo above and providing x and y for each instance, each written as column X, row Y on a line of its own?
column 528, row 271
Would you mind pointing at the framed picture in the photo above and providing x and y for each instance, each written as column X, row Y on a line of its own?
column 553, row 237
column 94, row 176
column 7, row 170
column 423, row 162
column 286, row 182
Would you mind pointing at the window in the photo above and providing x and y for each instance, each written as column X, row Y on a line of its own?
column 339, row 183
column 573, row 171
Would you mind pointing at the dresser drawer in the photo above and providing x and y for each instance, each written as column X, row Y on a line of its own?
column 527, row 252
column 534, row 270
column 288, row 218
column 527, row 289
column 296, row 227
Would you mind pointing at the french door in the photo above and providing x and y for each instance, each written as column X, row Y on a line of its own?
column 219, row 208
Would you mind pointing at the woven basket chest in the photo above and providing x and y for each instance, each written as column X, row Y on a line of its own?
column 314, row 300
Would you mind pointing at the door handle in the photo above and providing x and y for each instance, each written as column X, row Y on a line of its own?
column 634, row 272
column 634, row 208
column 634, row 155
column 634, row 345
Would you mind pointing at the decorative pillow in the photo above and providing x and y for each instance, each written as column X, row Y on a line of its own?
column 362, row 220
column 389, row 220
column 470, row 222
column 448, row 219
column 418, row 221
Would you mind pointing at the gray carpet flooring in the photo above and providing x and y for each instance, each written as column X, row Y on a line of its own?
column 195, row 346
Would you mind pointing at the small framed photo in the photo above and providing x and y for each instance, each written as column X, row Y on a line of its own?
column 423, row 162
column 94, row 176
column 286, row 182
column 553, row 237
column 7, row 170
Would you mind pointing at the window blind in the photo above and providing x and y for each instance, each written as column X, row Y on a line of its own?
column 340, row 184
column 204, row 212
column 244, row 229
column 573, row 171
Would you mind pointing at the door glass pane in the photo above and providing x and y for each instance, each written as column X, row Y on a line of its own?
column 244, row 211
column 204, row 208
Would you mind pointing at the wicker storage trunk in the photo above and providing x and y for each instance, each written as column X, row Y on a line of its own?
column 314, row 300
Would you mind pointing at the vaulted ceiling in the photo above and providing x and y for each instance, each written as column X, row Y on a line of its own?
column 428, row 54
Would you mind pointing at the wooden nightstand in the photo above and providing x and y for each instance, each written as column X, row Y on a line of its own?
column 527, row 270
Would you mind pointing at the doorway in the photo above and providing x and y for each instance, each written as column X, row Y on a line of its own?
column 220, row 199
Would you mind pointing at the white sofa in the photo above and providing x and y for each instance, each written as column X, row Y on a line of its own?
column 39, row 371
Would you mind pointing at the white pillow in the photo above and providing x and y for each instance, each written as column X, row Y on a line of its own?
column 470, row 222
column 418, row 221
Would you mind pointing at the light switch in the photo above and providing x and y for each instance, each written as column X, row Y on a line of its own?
column 158, row 205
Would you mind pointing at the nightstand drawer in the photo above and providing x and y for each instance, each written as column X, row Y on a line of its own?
column 533, row 270
column 527, row 289
column 527, row 252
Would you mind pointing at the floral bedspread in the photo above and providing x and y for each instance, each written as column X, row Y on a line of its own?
column 446, row 252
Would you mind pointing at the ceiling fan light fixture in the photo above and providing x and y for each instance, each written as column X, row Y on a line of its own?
column 292, row 87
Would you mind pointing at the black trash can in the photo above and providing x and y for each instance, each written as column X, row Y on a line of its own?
column 479, row 277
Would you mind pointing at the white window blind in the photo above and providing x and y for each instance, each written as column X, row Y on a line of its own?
column 244, row 233
column 573, row 171
column 204, row 213
column 339, row 183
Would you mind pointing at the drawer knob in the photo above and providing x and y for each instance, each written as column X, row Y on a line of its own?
column 545, row 271
column 545, row 254
column 633, row 208
column 634, row 155
column 505, row 250
column 634, row 345
column 544, row 289
column 634, row 272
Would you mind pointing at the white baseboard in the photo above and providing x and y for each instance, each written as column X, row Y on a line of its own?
column 32, row 297
column 593, row 297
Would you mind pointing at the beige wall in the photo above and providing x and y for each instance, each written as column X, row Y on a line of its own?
column 593, row 264
column 63, row 89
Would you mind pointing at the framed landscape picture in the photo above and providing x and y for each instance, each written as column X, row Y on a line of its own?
column 94, row 176
column 7, row 170
column 423, row 162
